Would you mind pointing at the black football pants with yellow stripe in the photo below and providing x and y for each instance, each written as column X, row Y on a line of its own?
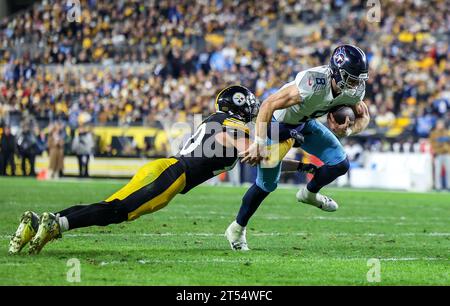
column 152, row 188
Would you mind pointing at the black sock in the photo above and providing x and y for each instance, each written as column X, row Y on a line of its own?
column 70, row 210
column 250, row 203
column 100, row 214
column 326, row 174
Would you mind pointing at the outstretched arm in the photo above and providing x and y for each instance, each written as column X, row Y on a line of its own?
column 242, row 144
column 283, row 98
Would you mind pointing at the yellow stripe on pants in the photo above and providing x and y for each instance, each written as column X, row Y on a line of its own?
column 146, row 175
column 276, row 153
column 161, row 200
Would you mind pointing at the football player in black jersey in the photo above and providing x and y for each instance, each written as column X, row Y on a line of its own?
column 213, row 149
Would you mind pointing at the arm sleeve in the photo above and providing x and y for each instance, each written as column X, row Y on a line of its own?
column 235, row 128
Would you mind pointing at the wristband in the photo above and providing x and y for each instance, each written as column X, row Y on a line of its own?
column 260, row 141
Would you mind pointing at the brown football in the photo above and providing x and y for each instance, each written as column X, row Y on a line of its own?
column 341, row 112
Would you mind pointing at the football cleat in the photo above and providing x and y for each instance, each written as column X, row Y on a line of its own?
column 29, row 223
column 236, row 237
column 48, row 230
column 316, row 199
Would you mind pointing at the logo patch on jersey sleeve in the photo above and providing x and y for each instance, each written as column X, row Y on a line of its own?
column 315, row 82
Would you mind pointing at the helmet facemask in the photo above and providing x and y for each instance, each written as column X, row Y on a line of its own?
column 350, row 85
column 249, row 111
column 254, row 105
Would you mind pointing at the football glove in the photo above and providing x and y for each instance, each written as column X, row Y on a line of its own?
column 308, row 168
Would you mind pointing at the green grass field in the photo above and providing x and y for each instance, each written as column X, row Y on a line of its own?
column 183, row 244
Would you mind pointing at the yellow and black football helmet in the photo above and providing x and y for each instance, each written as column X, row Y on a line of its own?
column 239, row 102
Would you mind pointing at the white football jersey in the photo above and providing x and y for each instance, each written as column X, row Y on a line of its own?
column 314, row 86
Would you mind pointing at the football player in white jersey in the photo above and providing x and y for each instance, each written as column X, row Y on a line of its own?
column 313, row 93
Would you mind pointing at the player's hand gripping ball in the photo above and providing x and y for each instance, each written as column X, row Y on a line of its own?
column 340, row 119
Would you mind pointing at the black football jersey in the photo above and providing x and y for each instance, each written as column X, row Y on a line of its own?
column 203, row 157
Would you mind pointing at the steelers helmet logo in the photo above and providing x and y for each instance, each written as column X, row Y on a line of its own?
column 239, row 98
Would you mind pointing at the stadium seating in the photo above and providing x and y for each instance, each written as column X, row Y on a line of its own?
column 140, row 62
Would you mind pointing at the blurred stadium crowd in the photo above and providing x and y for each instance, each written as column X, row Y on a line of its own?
column 136, row 62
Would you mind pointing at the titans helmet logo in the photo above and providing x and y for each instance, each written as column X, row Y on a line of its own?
column 339, row 57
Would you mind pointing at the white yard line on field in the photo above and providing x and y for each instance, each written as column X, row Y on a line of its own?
column 116, row 181
column 199, row 234
column 265, row 234
column 412, row 259
column 260, row 260
column 391, row 220
column 247, row 260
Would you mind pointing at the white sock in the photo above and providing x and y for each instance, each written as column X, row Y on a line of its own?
column 237, row 226
column 310, row 194
column 63, row 224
